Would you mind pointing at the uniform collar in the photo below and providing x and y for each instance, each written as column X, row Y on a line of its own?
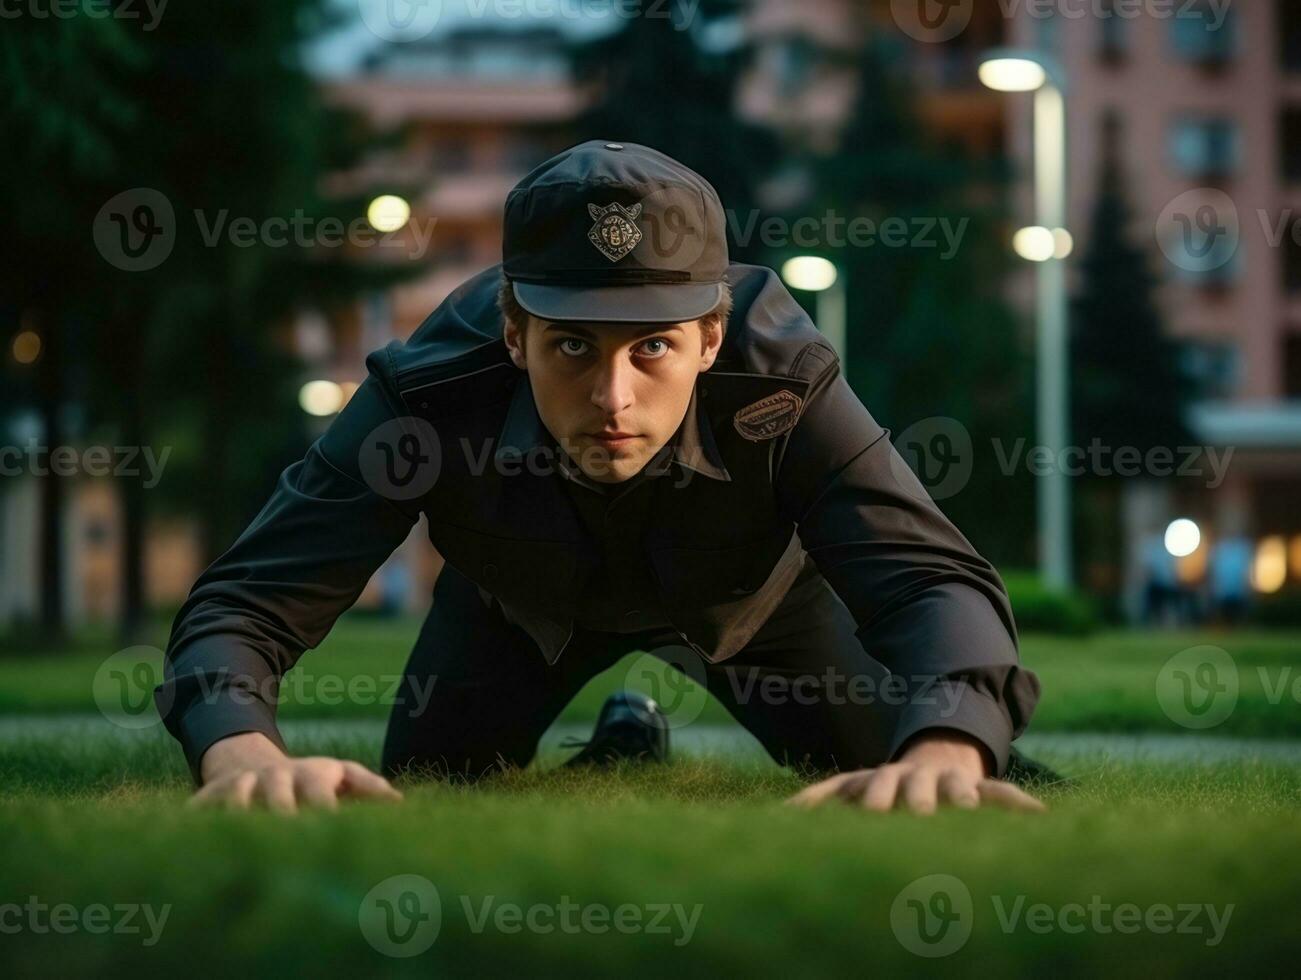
column 692, row 446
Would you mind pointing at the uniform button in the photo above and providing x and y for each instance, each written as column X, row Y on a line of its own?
column 631, row 613
column 489, row 570
column 614, row 146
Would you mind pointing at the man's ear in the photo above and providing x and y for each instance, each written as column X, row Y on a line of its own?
column 711, row 341
column 514, row 339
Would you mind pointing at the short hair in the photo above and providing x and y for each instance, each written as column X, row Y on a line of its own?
column 516, row 314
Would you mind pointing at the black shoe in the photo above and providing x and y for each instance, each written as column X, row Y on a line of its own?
column 1025, row 771
column 630, row 726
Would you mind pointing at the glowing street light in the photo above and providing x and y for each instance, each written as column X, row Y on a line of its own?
column 818, row 275
column 1182, row 537
column 1012, row 73
column 1046, row 243
column 320, row 398
column 388, row 212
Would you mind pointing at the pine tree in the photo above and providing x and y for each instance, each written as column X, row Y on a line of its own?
column 658, row 84
column 1126, row 388
column 929, row 333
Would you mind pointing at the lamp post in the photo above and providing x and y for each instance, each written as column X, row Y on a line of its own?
column 818, row 275
column 1047, row 243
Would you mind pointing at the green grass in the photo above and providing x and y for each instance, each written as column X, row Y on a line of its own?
column 1105, row 682
column 781, row 892
column 91, row 813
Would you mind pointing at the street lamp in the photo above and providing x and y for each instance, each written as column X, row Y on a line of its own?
column 1046, row 243
column 818, row 275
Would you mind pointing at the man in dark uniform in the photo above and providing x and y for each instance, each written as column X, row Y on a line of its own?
column 621, row 442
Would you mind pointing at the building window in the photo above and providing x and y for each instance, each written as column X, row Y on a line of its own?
column 1204, row 33
column 1289, row 143
column 1047, row 31
column 1292, row 365
column 1204, row 252
column 1205, row 147
column 1113, row 34
column 1288, row 18
column 1212, row 366
column 1292, row 258
column 795, row 58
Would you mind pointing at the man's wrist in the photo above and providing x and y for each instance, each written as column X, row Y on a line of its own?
column 245, row 750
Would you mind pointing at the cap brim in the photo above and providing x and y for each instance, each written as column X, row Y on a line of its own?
column 642, row 303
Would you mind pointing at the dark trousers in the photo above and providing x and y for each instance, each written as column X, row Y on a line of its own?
column 478, row 693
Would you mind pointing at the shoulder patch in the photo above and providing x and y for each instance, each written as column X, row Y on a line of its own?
column 768, row 417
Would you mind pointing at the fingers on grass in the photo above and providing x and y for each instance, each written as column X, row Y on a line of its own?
column 209, row 793
column 919, row 790
column 959, row 789
column 316, row 791
column 239, row 796
column 821, row 791
column 360, row 781
column 1009, row 797
column 276, row 789
column 881, row 789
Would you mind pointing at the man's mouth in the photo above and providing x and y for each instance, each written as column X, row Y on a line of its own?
column 612, row 438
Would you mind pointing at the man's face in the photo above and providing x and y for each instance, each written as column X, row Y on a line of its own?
column 612, row 394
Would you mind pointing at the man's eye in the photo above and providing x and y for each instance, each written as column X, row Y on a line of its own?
column 662, row 346
column 572, row 346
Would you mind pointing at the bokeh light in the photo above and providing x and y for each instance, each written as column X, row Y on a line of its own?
column 1182, row 537
column 388, row 212
column 321, row 398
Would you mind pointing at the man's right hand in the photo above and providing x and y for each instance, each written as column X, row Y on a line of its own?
column 248, row 769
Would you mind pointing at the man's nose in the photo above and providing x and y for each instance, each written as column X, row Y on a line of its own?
column 612, row 389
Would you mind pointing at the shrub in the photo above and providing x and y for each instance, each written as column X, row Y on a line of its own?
column 1040, row 609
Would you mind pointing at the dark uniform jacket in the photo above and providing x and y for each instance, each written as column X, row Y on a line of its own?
column 776, row 464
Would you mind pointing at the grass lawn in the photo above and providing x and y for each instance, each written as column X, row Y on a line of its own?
column 1105, row 682
column 739, row 883
column 695, row 869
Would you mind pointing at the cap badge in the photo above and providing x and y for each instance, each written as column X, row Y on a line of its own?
column 615, row 234
column 768, row 417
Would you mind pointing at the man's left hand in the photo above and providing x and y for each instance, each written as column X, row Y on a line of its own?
column 935, row 768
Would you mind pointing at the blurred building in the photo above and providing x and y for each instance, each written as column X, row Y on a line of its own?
column 1208, row 98
column 481, row 107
